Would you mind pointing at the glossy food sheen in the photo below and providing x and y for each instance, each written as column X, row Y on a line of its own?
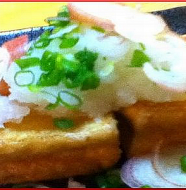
column 53, row 153
column 95, row 142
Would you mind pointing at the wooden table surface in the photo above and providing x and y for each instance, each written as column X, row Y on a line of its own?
column 23, row 15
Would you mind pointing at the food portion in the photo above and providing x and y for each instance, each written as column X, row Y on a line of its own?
column 63, row 87
column 50, row 146
column 36, row 150
column 154, row 122
column 164, row 167
column 96, row 70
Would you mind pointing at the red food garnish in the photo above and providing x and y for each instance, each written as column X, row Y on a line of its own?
column 4, row 88
column 16, row 49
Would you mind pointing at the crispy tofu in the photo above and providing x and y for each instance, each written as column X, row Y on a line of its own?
column 36, row 150
column 153, row 122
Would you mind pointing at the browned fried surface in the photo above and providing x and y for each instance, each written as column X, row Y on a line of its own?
column 63, row 164
column 36, row 150
column 153, row 122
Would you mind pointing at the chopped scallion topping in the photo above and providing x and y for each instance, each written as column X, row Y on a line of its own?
column 63, row 123
column 183, row 163
column 62, row 19
column 142, row 46
column 28, row 62
column 48, row 61
column 69, row 66
column 73, row 82
column 111, row 179
column 74, row 101
column 139, row 58
column 29, row 52
column 74, row 70
column 53, row 106
column 99, row 29
column 86, row 58
column 45, row 34
column 64, row 12
column 68, row 42
column 42, row 43
column 146, row 186
column 43, row 40
column 34, row 88
column 58, row 21
column 91, row 81
column 24, row 78
column 56, row 30
column 50, row 79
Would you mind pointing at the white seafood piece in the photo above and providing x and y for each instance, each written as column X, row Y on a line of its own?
column 4, row 61
column 161, row 169
column 11, row 111
column 169, row 80
column 124, row 20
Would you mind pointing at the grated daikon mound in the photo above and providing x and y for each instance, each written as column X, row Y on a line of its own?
column 121, row 85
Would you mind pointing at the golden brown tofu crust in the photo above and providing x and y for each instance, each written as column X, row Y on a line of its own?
column 66, row 163
column 153, row 122
column 42, row 151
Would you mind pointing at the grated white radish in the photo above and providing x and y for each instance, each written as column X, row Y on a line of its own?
column 121, row 85
column 11, row 111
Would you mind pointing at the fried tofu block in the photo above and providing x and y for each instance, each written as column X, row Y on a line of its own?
column 153, row 122
column 36, row 150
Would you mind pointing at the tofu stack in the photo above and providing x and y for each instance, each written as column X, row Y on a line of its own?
column 99, row 58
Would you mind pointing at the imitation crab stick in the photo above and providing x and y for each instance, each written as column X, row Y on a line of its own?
column 16, row 49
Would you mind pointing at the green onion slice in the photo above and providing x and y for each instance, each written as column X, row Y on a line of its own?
column 110, row 179
column 60, row 32
column 56, row 30
column 45, row 34
column 29, row 52
column 64, row 12
column 34, row 88
column 99, row 29
column 42, row 43
column 62, row 19
column 28, row 62
column 21, row 77
column 91, row 81
column 146, row 186
column 58, row 21
column 183, row 163
column 68, row 42
column 142, row 46
column 69, row 83
column 52, row 78
column 139, row 58
column 86, row 58
column 63, row 123
column 55, row 105
column 43, row 40
column 69, row 66
column 52, row 106
column 48, row 61
column 71, row 97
